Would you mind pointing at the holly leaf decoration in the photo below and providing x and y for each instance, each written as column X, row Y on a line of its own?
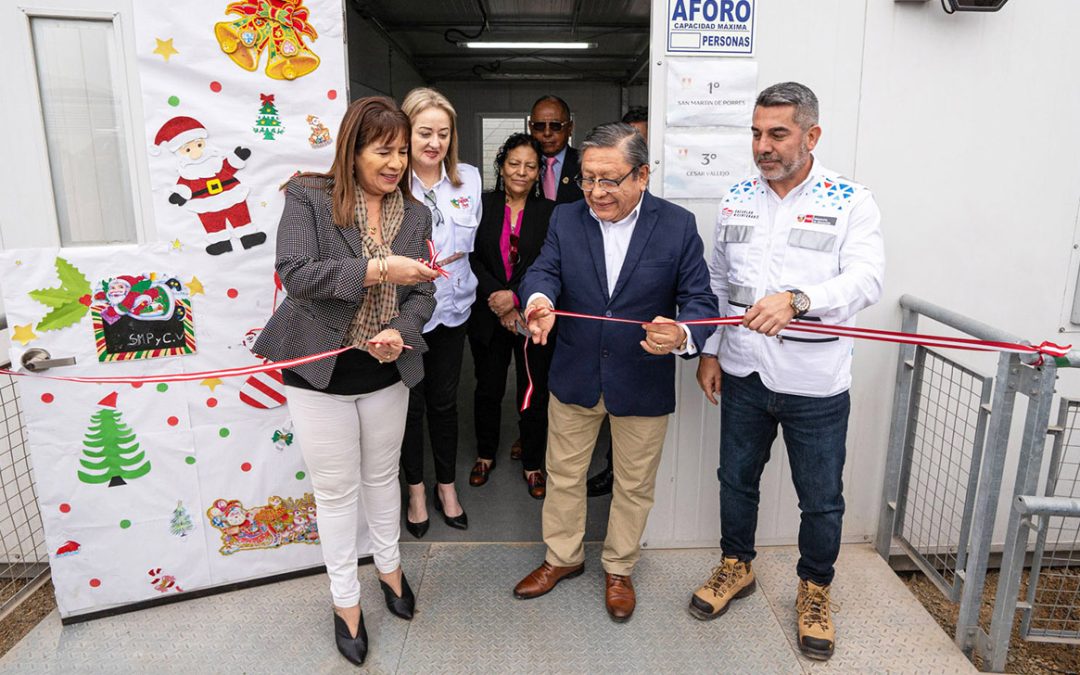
column 66, row 300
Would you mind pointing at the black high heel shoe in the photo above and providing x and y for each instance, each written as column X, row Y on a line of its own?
column 417, row 530
column 354, row 649
column 457, row 522
column 400, row 606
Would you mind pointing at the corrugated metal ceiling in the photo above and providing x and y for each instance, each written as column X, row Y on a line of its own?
column 424, row 31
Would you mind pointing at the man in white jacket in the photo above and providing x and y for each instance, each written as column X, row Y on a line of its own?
column 793, row 241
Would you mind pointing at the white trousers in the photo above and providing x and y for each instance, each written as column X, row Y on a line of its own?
column 352, row 445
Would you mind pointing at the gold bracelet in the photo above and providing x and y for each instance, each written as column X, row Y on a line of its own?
column 384, row 269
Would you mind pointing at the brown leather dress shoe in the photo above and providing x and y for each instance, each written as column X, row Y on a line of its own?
column 480, row 472
column 544, row 578
column 537, row 484
column 515, row 450
column 619, row 596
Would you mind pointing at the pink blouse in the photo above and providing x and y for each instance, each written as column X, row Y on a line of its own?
column 504, row 239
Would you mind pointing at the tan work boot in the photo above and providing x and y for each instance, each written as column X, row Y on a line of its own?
column 817, row 634
column 731, row 579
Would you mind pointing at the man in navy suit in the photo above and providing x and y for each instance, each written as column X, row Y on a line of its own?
column 552, row 125
column 624, row 253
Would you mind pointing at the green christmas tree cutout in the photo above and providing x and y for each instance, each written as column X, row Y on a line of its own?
column 268, row 123
column 70, row 301
column 111, row 451
column 180, row 524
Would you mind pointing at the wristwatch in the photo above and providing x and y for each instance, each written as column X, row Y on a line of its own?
column 800, row 302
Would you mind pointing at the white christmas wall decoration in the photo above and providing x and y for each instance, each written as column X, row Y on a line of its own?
column 164, row 487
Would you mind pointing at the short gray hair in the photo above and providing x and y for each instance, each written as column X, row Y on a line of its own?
column 792, row 93
column 619, row 135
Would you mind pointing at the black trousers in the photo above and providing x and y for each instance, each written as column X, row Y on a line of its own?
column 492, row 360
column 437, row 394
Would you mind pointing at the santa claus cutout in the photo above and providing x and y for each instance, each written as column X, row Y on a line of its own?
column 207, row 185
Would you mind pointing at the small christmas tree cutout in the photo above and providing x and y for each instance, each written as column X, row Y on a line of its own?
column 180, row 524
column 111, row 452
column 268, row 123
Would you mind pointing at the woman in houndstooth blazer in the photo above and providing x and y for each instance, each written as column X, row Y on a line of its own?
column 347, row 253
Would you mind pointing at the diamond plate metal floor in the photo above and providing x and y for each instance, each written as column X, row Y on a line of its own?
column 467, row 621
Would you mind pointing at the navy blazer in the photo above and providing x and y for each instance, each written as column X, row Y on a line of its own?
column 664, row 274
column 567, row 190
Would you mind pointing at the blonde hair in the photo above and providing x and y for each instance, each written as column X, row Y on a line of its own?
column 420, row 99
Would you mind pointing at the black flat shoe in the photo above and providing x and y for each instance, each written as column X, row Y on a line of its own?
column 457, row 522
column 402, row 606
column 600, row 484
column 352, row 648
column 417, row 530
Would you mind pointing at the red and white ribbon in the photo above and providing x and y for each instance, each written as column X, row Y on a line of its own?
column 187, row 377
column 1044, row 348
column 433, row 260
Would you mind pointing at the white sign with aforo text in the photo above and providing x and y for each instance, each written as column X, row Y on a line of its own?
column 711, row 27
column 702, row 164
column 710, row 92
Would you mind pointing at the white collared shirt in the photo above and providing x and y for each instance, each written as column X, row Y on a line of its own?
column 823, row 238
column 453, row 233
column 616, row 236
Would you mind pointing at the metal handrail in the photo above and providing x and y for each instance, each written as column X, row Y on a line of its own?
column 1048, row 506
column 983, row 331
column 973, row 327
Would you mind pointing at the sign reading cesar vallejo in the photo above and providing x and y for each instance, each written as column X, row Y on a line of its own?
column 711, row 27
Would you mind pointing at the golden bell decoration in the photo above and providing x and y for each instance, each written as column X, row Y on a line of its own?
column 289, row 58
column 274, row 25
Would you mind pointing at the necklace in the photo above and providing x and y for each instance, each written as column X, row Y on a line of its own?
column 373, row 225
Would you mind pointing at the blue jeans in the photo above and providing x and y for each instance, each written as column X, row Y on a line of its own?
column 815, row 431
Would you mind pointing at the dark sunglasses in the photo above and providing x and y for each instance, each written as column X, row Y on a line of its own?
column 544, row 126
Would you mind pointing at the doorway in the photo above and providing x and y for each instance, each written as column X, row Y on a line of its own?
column 472, row 51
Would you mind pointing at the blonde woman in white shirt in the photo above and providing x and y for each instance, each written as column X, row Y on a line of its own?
column 451, row 190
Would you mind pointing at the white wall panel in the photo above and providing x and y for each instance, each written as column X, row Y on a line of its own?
column 687, row 502
column 964, row 127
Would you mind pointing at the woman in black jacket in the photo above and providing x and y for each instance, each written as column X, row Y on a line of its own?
column 347, row 253
column 511, row 233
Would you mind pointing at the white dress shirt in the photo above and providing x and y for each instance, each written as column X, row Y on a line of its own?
column 453, row 231
column 823, row 238
column 616, row 236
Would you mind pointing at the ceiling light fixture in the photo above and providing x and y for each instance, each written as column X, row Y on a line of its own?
column 531, row 76
column 528, row 45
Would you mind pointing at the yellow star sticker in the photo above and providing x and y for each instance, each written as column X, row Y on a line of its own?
column 24, row 334
column 212, row 383
column 195, row 286
column 165, row 48
column 176, row 244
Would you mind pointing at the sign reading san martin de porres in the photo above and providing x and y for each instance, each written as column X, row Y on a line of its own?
column 711, row 27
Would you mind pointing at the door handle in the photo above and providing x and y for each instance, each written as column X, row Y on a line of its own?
column 38, row 359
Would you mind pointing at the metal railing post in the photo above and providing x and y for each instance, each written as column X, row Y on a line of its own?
column 894, row 462
column 1006, row 383
column 1039, row 386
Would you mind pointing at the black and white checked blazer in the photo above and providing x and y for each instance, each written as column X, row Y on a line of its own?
column 322, row 268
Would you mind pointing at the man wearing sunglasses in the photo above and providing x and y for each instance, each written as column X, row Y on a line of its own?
column 551, row 126
column 620, row 253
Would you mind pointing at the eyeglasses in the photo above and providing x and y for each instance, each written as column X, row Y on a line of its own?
column 541, row 127
column 607, row 184
column 433, row 206
column 515, row 257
